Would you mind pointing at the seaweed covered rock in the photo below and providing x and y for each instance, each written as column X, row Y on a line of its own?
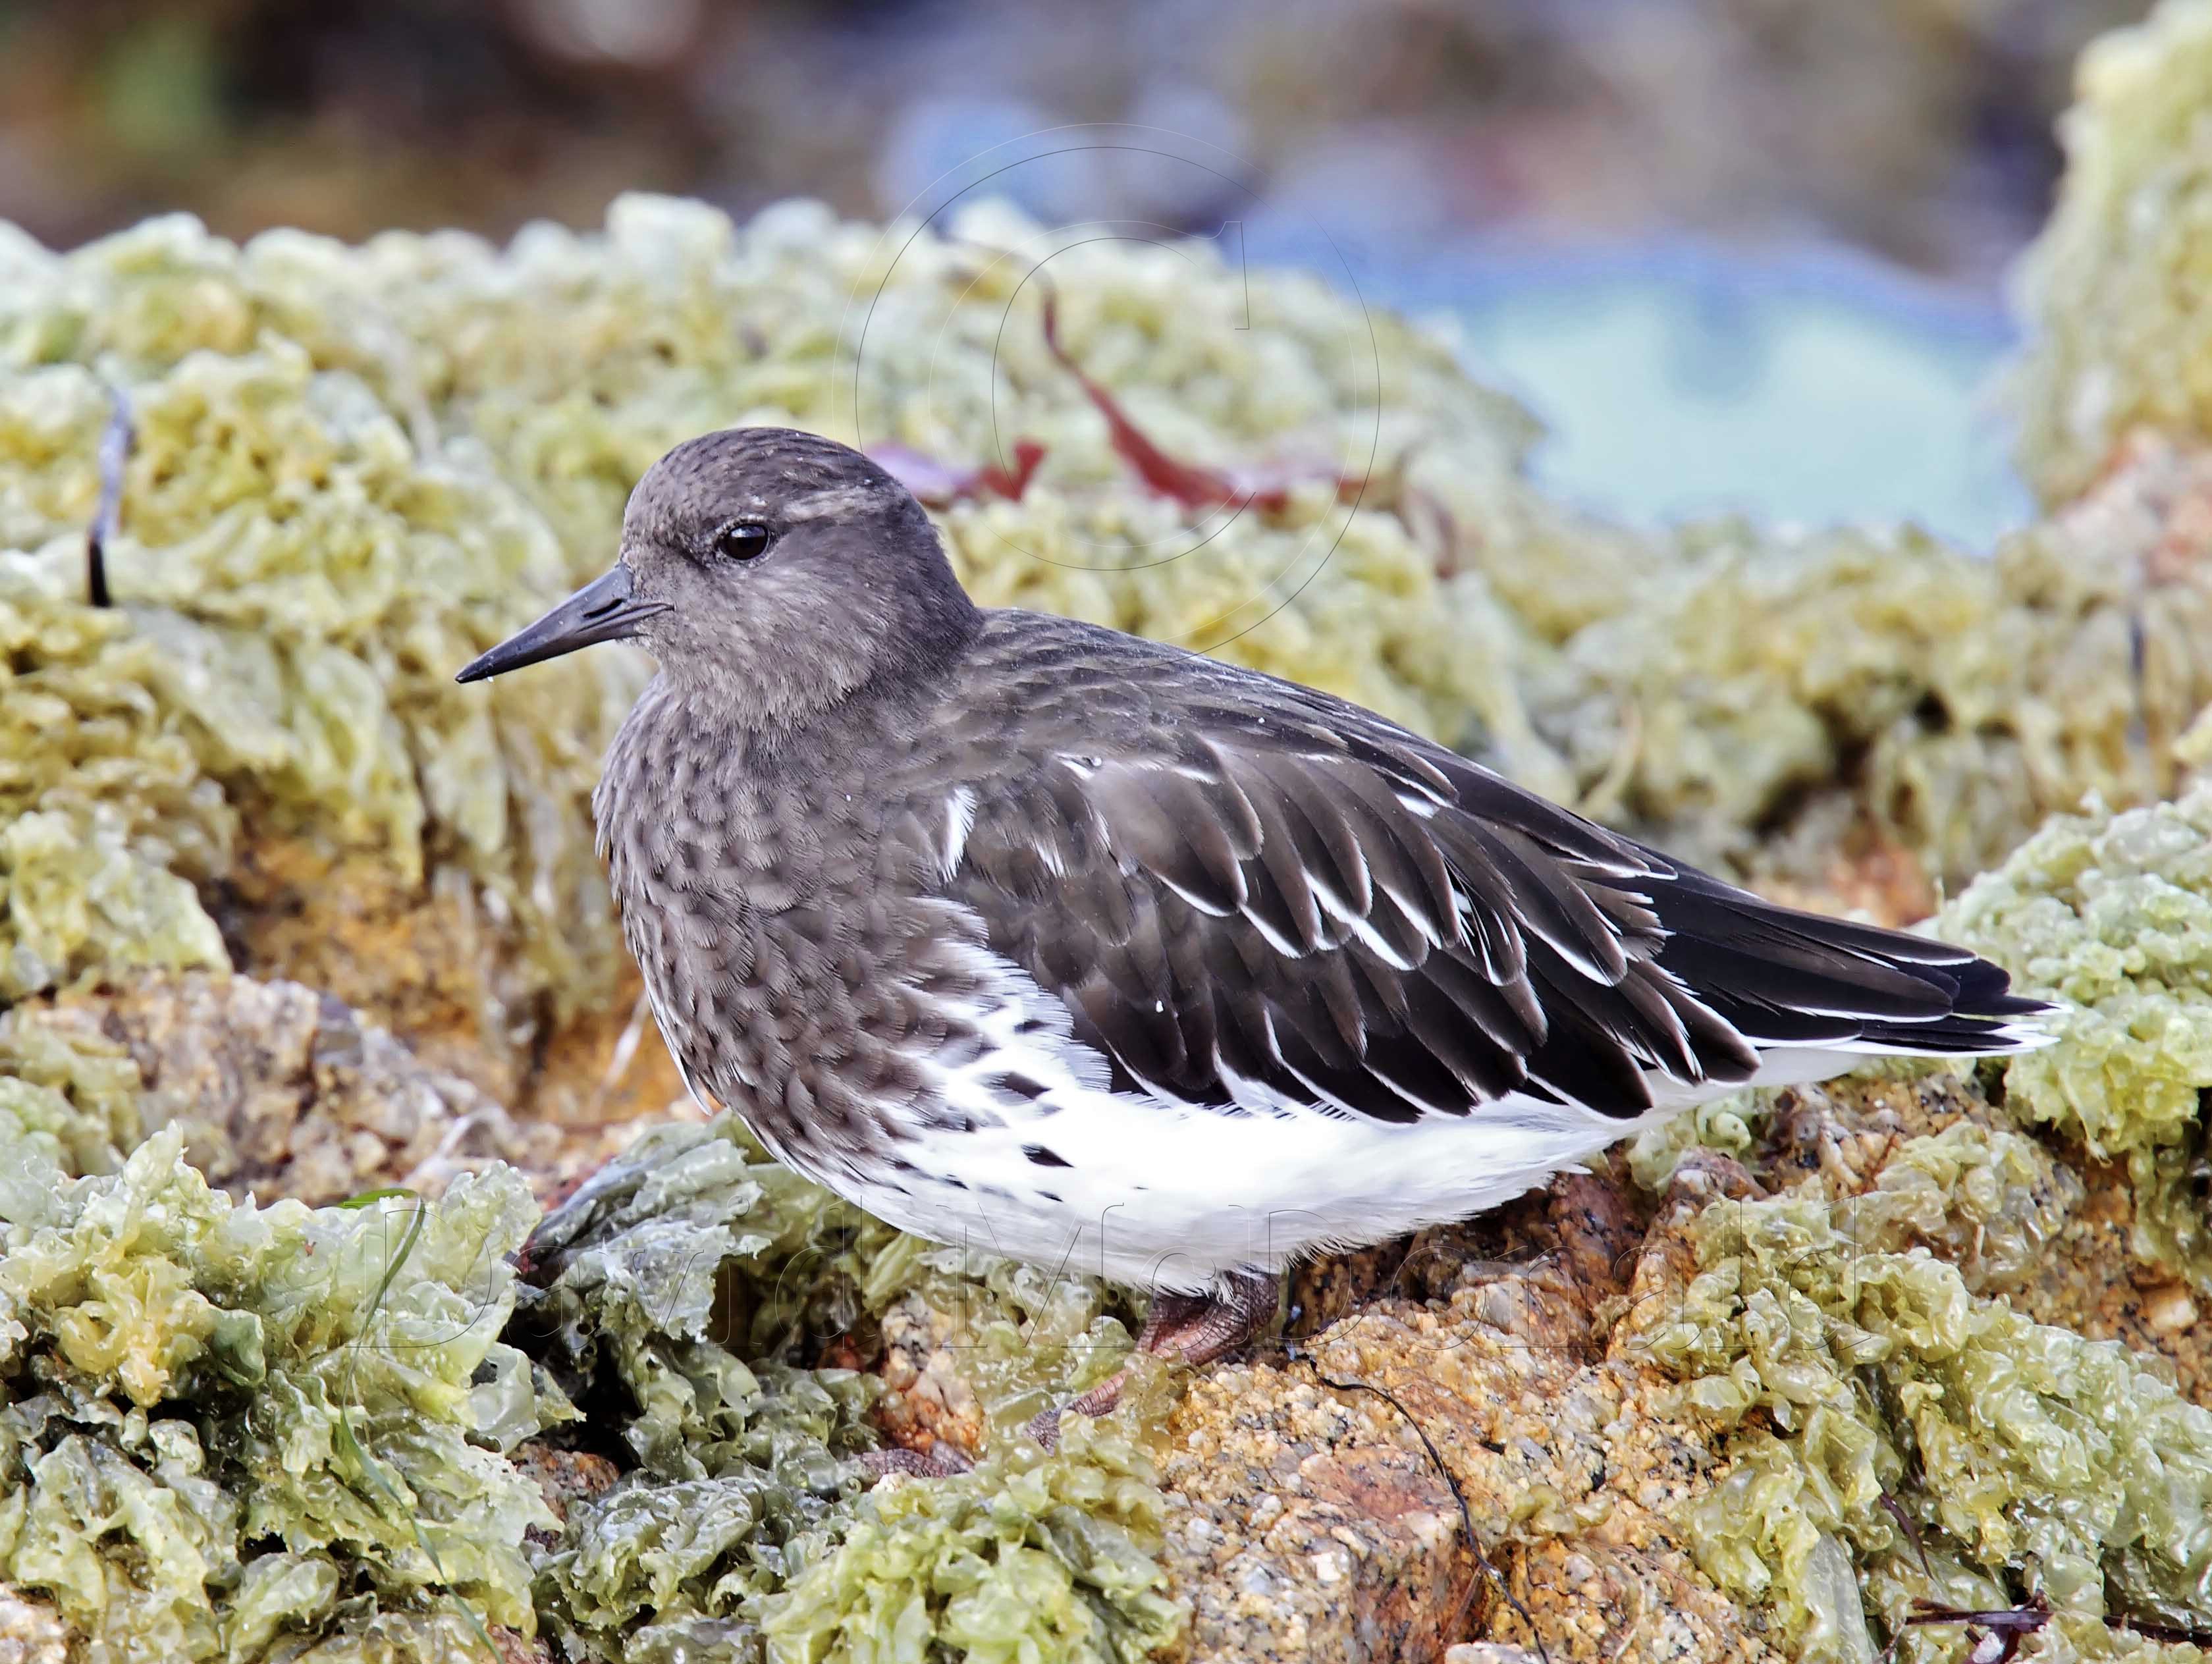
column 1784, row 707
column 1760, row 1408
column 234, row 1431
column 1318, row 1497
column 1896, row 1413
column 2111, row 289
column 2112, row 914
column 666, row 1294
column 68, row 1098
column 1762, row 1415
column 227, row 1424
column 297, row 578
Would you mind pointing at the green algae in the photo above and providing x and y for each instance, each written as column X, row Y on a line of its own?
column 106, row 817
column 1761, row 702
column 1729, row 1124
column 1980, row 1196
column 197, row 1390
column 2069, row 1638
column 2111, row 914
column 2112, row 288
column 71, row 1099
column 1027, row 1556
column 1859, row 1377
column 295, row 583
column 673, row 1293
column 1754, row 668
column 1985, row 1200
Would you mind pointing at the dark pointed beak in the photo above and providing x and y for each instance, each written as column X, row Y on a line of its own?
column 602, row 610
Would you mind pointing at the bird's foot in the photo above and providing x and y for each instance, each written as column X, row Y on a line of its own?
column 1184, row 1328
column 940, row 1461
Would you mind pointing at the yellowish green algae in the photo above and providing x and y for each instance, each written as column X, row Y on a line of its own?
column 1988, row 1202
column 105, row 818
column 1049, row 1557
column 2112, row 289
column 1763, row 688
column 295, row 586
column 229, row 1427
column 2111, row 914
column 69, row 1102
column 1875, row 1398
column 1853, row 1342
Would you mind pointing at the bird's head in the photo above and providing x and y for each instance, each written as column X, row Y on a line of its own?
column 770, row 572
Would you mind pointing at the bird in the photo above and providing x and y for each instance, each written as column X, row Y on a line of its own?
column 1029, row 935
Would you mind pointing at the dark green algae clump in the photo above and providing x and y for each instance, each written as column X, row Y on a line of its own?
column 738, row 1525
column 239, row 1432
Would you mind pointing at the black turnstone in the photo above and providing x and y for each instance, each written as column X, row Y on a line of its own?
column 1024, row 933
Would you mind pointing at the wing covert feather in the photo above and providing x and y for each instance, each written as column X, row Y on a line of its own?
column 1251, row 895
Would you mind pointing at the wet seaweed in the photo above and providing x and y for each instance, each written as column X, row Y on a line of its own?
column 682, row 1293
column 1860, row 1378
column 181, row 1372
column 2111, row 915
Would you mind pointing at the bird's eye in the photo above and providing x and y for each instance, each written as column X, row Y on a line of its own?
column 742, row 540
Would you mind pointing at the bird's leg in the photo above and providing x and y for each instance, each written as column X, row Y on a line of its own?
column 1197, row 1328
column 1187, row 1328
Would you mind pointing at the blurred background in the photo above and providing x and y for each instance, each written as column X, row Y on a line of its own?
column 1739, row 254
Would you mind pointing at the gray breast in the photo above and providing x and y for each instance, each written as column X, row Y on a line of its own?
column 777, row 902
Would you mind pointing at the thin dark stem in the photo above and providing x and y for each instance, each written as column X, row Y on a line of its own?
column 1911, row 1534
column 114, row 453
column 1450, row 1479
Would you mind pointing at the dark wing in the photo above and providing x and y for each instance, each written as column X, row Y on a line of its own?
column 1268, row 893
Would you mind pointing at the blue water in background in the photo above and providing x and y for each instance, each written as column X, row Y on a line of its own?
column 1679, row 381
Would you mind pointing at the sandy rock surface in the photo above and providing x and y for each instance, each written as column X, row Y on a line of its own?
column 1308, row 1521
column 285, row 1091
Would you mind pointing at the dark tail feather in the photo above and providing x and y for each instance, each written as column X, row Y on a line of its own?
column 1787, row 978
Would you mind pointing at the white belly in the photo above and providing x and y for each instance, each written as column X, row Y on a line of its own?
column 1164, row 1196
